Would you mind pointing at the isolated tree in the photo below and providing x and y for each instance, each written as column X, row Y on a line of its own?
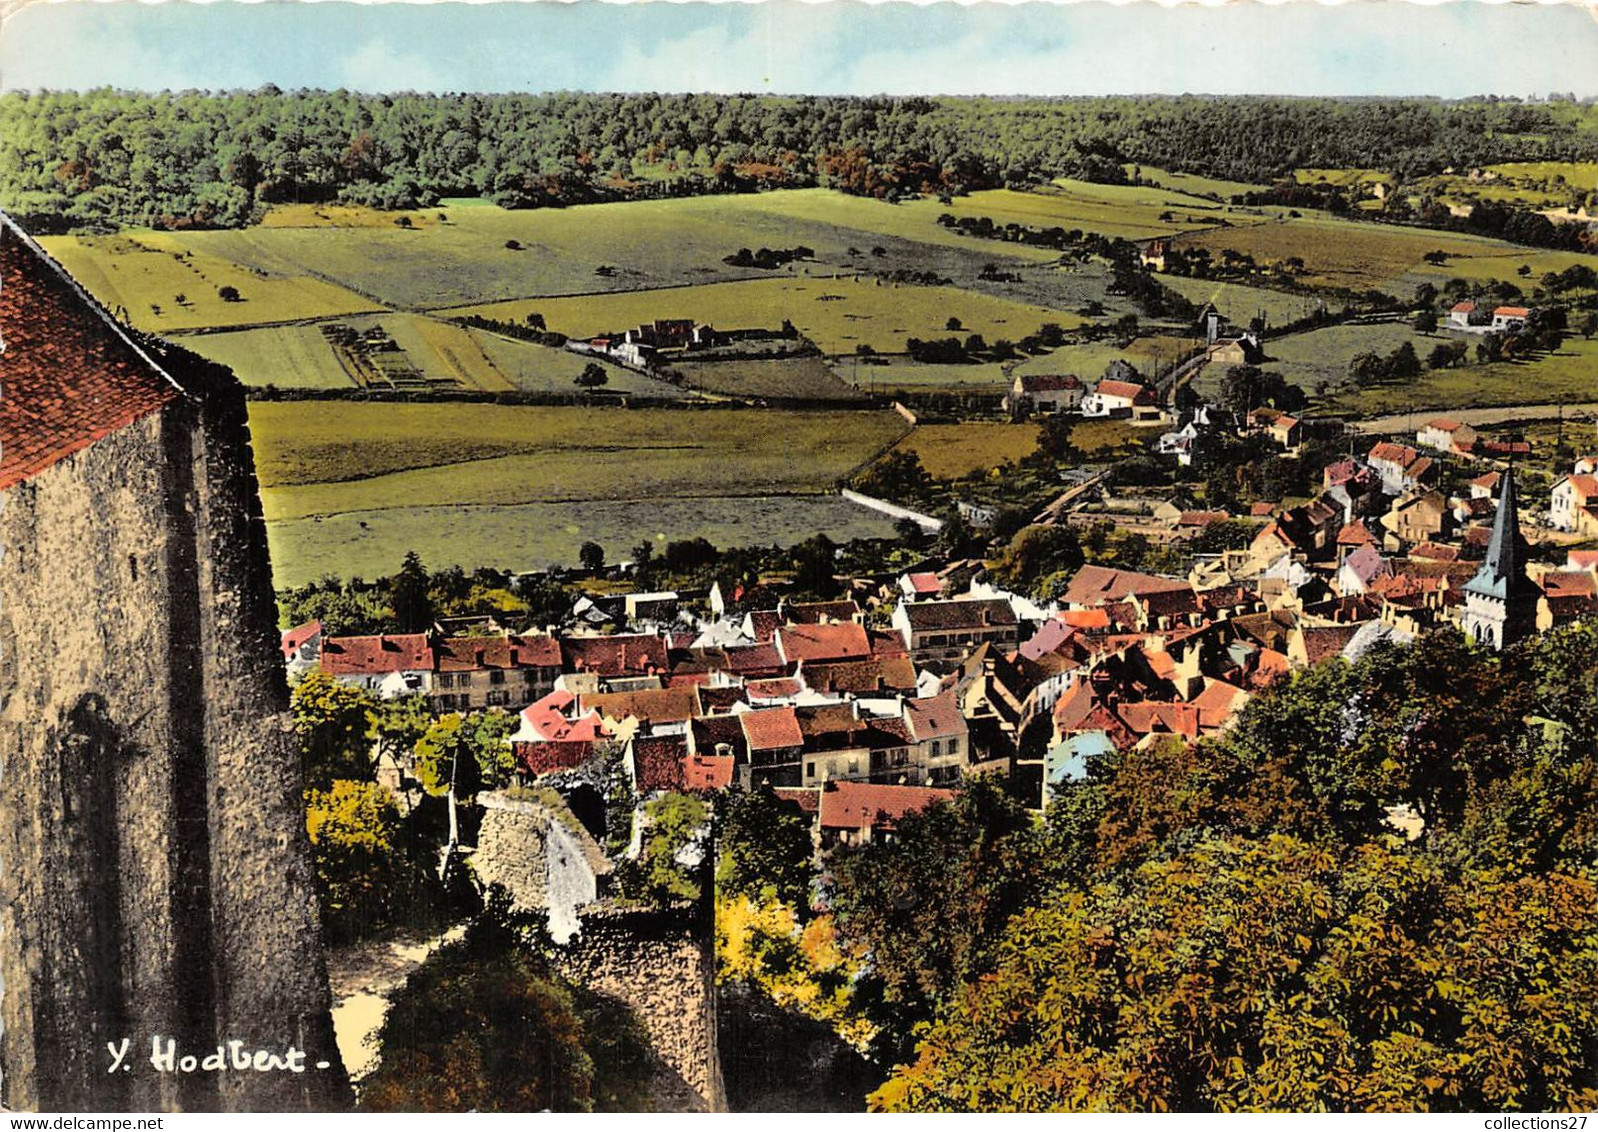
column 229, row 293
column 332, row 723
column 593, row 376
column 591, row 556
column 410, row 595
column 1426, row 321
column 953, row 324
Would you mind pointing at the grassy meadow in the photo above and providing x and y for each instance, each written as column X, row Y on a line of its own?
column 836, row 314
column 955, row 450
column 146, row 274
column 349, row 486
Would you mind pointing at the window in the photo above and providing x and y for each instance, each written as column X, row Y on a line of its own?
column 497, row 676
column 810, row 770
column 954, row 746
column 937, row 748
column 498, row 699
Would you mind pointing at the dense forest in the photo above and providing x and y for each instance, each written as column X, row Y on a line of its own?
column 186, row 159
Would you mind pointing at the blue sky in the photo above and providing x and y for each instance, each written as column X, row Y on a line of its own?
column 1364, row 47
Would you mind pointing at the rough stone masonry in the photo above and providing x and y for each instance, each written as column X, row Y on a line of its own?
column 157, row 893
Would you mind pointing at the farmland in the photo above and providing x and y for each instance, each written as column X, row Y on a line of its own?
column 837, row 314
column 807, row 377
column 1239, row 303
column 1089, row 360
column 1565, row 376
column 404, row 468
column 952, row 451
column 302, row 357
column 533, row 535
column 164, row 287
column 1341, row 253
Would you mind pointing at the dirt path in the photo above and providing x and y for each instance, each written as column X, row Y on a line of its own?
column 362, row 977
column 1409, row 422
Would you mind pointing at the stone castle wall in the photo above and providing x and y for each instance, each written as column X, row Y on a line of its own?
column 153, row 856
column 661, row 964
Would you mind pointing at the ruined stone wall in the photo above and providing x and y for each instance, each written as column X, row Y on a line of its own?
column 510, row 851
column 153, row 856
column 661, row 964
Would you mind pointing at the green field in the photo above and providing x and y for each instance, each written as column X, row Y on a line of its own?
column 530, row 536
column 1089, row 360
column 1342, row 253
column 807, row 377
column 316, row 458
column 914, row 377
column 1320, row 357
column 836, row 314
column 300, row 357
column 345, row 484
column 952, row 451
column 1570, row 376
column 645, row 244
column 1238, row 304
column 288, row 357
column 146, row 273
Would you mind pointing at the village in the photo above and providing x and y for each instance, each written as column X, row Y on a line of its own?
column 875, row 704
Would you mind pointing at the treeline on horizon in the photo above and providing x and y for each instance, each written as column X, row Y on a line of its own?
column 195, row 159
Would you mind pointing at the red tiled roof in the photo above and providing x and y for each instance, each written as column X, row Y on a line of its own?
column 71, row 375
column 1261, row 510
column 764, row 623
column 925, row 583
column 1463, row 308
column 776, row 688
column 846, row 641
column 771, row 729
column 1097, row 585
column 366, row 656
column 294, row 639
column 862, row 677
column 754, row 660
column 807, row 798
column 547, row 719
column 1049, row 382
column 708, row 772
column 860, row 805
column 463, row 654
column 818, row 612
column 658, row 763
column 652, row 705
column 1443, row 424
column 1512, row 312
column 1136, row 393
column 546, row 758
column 936, row 717
column 636, row 655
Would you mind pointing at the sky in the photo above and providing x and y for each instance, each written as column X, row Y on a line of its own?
column 1365, row 47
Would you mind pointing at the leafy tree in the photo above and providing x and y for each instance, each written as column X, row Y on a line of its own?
column 928, row 908
column 592, row 377
column 410, row 595
column 1275, row 975
column 591, row 556
column 470, row 751
column 898, row 475
column 1426, row 321
column 364, row 877
column 332, row 723
column 1036, row 552
column 668, row 867
column 229, row 294
column 765, row 852
column 816, row 566
column 485, row 1025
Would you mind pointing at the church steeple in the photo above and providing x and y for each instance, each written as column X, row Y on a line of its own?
column 1501, row 600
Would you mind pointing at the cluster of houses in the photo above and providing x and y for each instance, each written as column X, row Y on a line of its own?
column 642, row 346
column 1472, row 318
column 1126, row 398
